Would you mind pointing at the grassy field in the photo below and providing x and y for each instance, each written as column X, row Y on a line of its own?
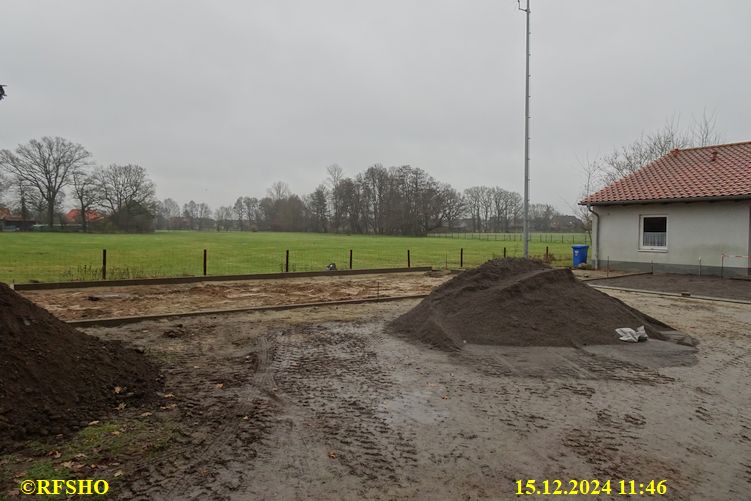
column 71, row 256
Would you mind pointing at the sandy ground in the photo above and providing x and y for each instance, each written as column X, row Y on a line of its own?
column 99, row 302
column 104, row 302
column 322, row 403
column 694, row 285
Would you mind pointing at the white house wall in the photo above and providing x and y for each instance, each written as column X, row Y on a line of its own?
column 695, row 230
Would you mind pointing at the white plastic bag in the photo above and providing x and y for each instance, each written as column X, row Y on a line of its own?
column 629, row 335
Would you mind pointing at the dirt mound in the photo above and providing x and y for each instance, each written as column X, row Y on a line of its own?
column 520, row 302
column 54, row 378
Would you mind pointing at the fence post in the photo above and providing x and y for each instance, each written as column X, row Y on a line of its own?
column 409, row 261
column 547, row 259
column 722, row 267
column 286, row 261
column 104, row 264
column 461, row 257
column 204, row 262
column 350, row 259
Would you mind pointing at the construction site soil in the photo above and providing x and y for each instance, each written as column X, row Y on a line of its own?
column 99, row 302
column 323, row 403
column 520, row 302
column 54, row 379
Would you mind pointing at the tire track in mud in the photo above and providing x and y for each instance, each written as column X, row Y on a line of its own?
column 333, row 378
column 709, row 399
column 223, row 421
column 562, row 363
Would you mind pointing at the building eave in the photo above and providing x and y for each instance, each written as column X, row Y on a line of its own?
column 734, row 198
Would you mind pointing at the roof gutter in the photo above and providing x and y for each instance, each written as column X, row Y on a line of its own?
column 667, row 200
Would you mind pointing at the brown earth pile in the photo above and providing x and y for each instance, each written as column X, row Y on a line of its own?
column 54, row 378
column 520, row 302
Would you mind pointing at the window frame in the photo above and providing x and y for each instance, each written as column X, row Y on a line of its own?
column 653, row 248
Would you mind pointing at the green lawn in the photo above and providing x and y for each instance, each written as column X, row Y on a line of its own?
column 71, row 256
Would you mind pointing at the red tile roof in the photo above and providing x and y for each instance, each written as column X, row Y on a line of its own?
column 74, row 215
column 709, row 172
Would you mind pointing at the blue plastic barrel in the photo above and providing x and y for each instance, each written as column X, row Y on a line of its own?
column 580, row 254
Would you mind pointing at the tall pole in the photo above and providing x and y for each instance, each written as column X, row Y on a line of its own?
column 528, row 10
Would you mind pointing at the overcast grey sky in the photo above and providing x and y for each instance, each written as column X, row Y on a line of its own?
column 218, row 99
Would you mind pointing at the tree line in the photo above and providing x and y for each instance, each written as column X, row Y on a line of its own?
column 401, row 200
column 43, row 176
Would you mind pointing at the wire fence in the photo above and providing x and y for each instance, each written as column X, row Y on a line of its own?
column 59, row 265
column 562, row 238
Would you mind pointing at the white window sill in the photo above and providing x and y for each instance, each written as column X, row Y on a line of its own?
column 653, row 250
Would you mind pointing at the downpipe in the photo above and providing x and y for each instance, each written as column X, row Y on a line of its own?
column 596, row 253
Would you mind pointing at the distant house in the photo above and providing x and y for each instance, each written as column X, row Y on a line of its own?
column 73, row 216
column 687, row 212
column 11, row 222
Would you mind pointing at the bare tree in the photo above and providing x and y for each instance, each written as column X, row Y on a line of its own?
column 4, row 184
column 453, row 205
column 650, row 147
column 24, row 199
column 473, row 198
column 377, row 186
column 171, row 208
column 128, row 195
column 46, row 165
column 251, row 211
column 505, row 205
column 318, row 208
column 279, row 191
column 486, row 205
column 204, row 215
column 121, row 185
column 592, row 171
column 240, row 211
column 223, row 217
column 541, row 216
column 168, row 211
column 646, row 149
column 704, row 131
column 190, row 212
column 86, row 194
column 336, row 174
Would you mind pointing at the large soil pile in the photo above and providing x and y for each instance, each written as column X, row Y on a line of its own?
column 54, row 378
column 520, row 302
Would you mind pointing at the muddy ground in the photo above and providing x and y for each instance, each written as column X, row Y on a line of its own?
column 98, row 302
column 321, row 403
column 694, row 285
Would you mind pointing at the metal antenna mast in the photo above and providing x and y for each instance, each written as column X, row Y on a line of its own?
column 526, row 137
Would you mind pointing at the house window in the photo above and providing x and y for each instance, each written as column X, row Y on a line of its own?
column 654, row 233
